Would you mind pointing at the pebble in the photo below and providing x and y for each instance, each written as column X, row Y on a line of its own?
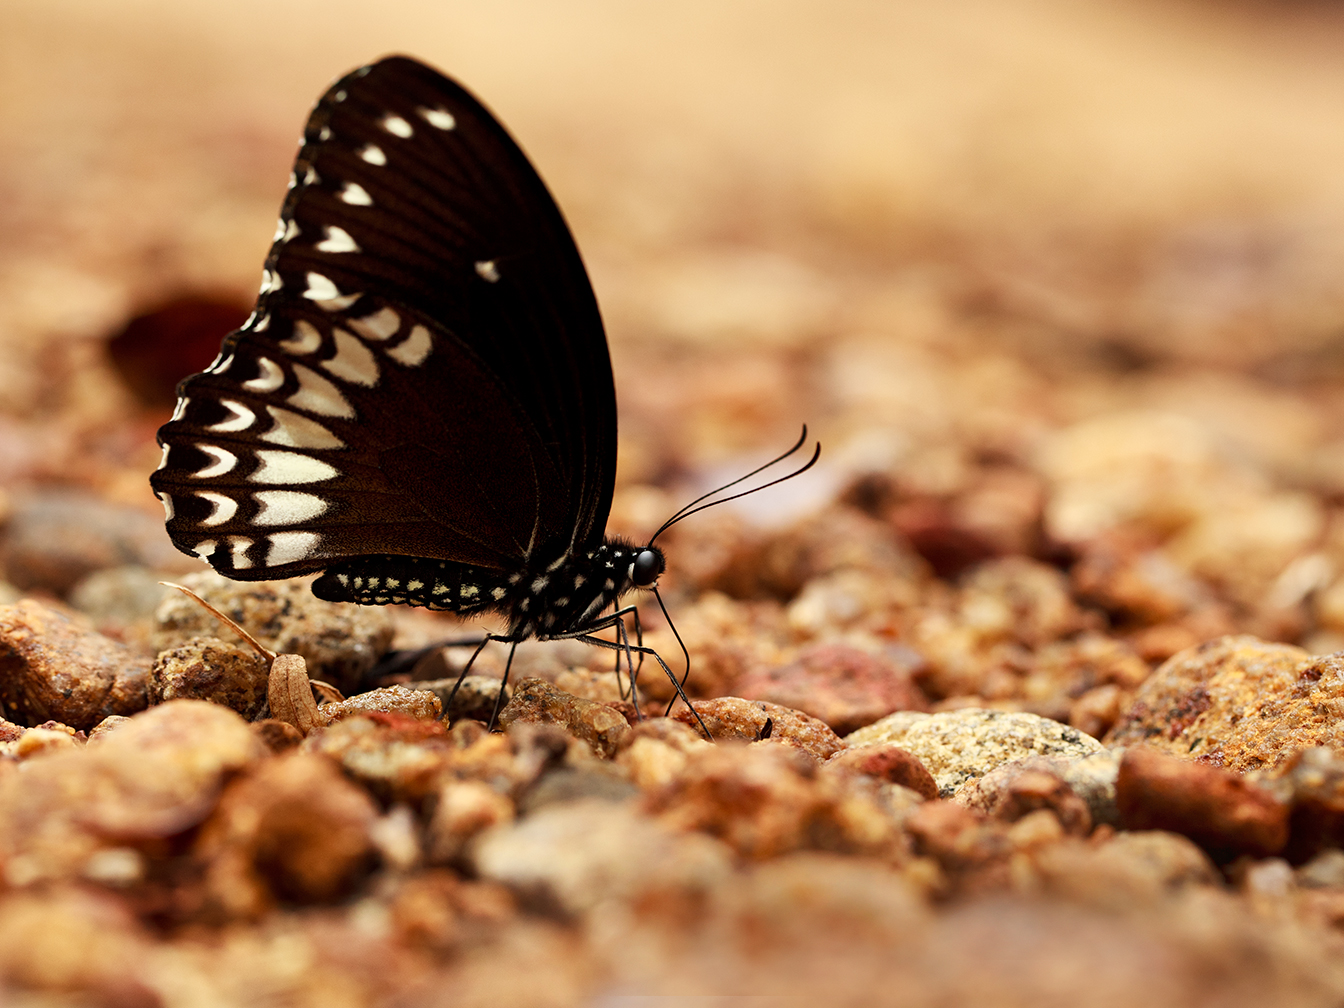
column 422, row 705
column 961, row 745
column 1239, row 703
column 52, row 667
column 576, row 857
column 1219, row 810
column 888, row 763
column 1090, row 778
column 733, row 718
column 207, row 668
column 535, row 701
column 341, row 642
column 1017, row 789
column 295, row 830
column 475, row 699
column 841, row 685
column 56, row 537
column 118, row 597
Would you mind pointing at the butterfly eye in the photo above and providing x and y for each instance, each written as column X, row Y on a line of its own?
column 646, row 568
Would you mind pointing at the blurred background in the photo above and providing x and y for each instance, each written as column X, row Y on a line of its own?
column 1061, row 279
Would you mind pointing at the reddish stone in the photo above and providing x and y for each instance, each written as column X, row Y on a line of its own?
column 889, row 763
column 1220, row 811
column 843, row 686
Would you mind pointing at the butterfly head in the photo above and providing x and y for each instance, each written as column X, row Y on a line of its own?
column 647, row 567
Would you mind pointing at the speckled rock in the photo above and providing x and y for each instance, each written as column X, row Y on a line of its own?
column 1239, row 703
column 1090, row 778
column 53, row 667
column 1013, row 790
column 1220, row 811
column 398, row 757
column 1125, row 870
column 537, row 701
column 340, row 642
column 207, row 668
column 960, row 745
column 474, row 699
column 733, row 718
column 577, row 856
column 841, row 685
column 415, row 703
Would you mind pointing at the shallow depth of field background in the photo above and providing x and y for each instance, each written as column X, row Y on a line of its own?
column 1104, row 239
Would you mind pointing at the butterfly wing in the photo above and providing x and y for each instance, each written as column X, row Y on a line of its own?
column 425, row 372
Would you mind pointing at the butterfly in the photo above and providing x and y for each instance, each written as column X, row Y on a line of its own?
column 421, row 404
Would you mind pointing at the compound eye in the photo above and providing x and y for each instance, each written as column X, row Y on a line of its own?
column 646, row 568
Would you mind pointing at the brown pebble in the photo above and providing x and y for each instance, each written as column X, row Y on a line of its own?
column 207, row 668
column 1010, row 792
column 841, row 685
column 537, row 701
column 889, row 763
column 733, row 718
column 277, row 735
column 1222, row 812
column 416, row 703
column 52, row 667
column 294, row 830
column 1239, row 703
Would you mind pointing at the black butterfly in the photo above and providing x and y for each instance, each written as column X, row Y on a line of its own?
column 421, row 404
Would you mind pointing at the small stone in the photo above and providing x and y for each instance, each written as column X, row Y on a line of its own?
column 277, row 736
column 411, row 702
column 770, row 798
column 56, row 537
column 1124, row 870
column 463, row 810
column 1238, row 703
column 341, row 642
column 52, row 667
column 1324, row 871
column 1218, row 810
column 962, row 745
column 398, row 756
column 579, row 856
column 295, row 830
column 733, row 718
column 475, row 699
column 38, row 741
column 207, row 668
column 537, row 701
column 1313, row 782
column 567, row 784
column 1014, row 790
column 841, row 685
column 888, row 763
column 119, row 597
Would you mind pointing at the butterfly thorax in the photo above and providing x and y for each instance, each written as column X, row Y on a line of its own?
column 546, row 598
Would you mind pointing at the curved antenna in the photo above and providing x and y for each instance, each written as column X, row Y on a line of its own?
column 691, row 508
column 683, row 513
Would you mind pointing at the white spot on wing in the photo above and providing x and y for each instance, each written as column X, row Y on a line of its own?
column 238, row 546
column 488, row 271
column 262, row 324
column 413, row 349
column 220, row 365
column 398, row 126
column 223, row 508
column 180, row 408
column 339, row 96
column 326, row 295
column 305, row 340
column 381, row 325
column 163, row 459
column 287, row 507
column 354, row 194
column 167, row 501
column 290, row 547
column 270, row 281
column 324, row 134
column 311, row 177
column 224, row 461
column 438, row 118
column 373, row 154
column 290, row 467
column 205, row 548
column 337, row 240
column 270, row 379
column 318, row 395
column 295, row 431
column 353, row 361
column 240, row 418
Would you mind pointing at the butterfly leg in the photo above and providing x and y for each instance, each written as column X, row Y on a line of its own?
column 499, row 700
column 587, row 638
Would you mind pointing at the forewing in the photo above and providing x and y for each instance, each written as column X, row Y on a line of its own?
column 425, row 372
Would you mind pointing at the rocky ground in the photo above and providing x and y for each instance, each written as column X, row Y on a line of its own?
column 1030, row 693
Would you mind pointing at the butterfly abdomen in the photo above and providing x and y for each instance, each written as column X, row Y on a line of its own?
column 553, row 600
